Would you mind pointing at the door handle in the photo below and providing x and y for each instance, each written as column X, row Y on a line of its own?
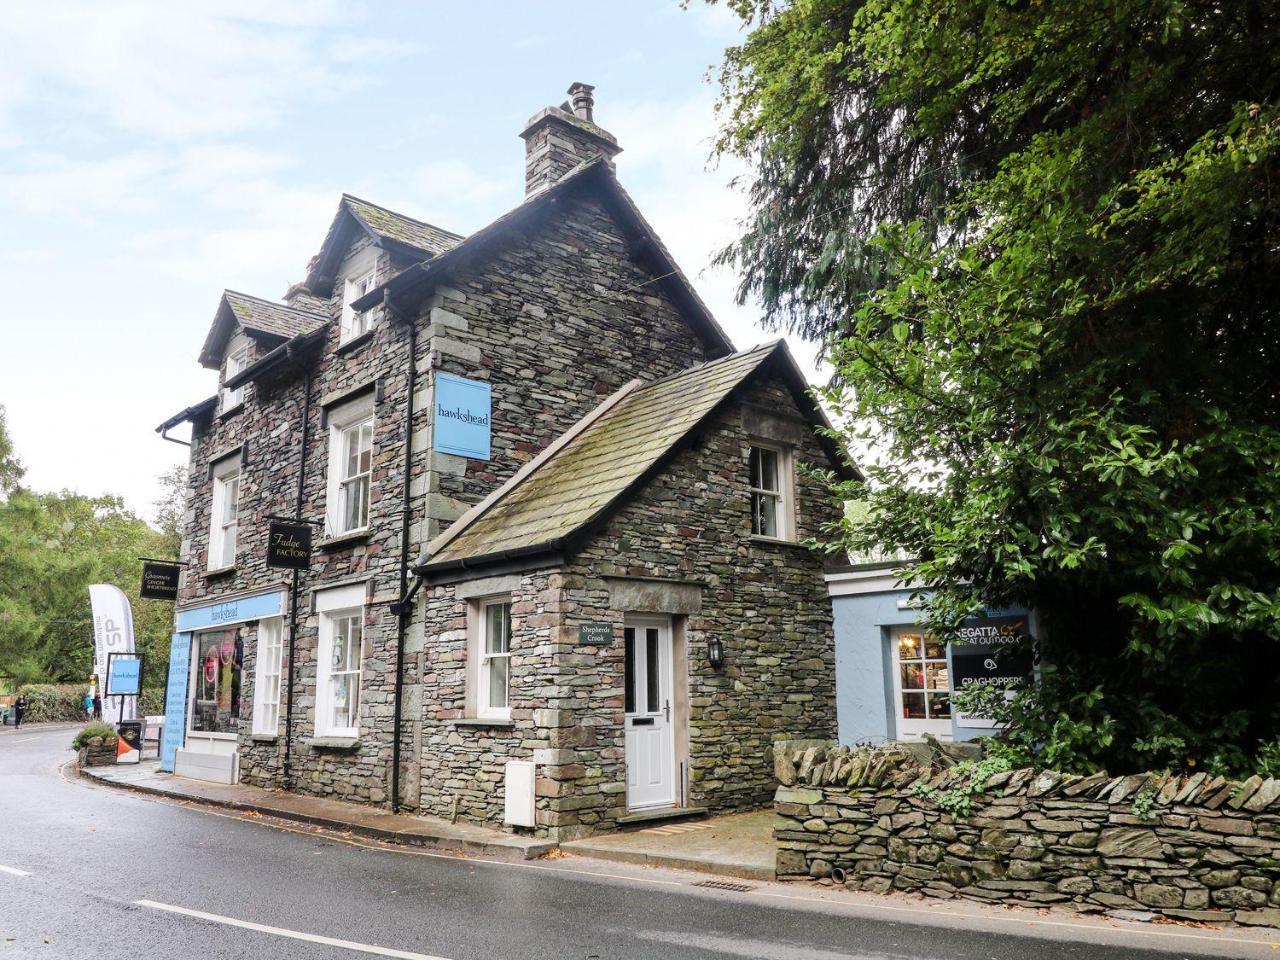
column 666, row 710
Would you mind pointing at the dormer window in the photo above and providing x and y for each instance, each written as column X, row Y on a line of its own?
column 356, row 323
column 236, row 362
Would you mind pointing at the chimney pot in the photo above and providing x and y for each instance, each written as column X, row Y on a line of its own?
column 580, row 94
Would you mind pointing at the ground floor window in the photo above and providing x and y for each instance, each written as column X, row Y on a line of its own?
column 339, row 658
column 267, row 677
column 218, row 664
column 922, row 684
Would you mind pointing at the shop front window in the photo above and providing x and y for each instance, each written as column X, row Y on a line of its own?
column 923, row 684
column 219, row 660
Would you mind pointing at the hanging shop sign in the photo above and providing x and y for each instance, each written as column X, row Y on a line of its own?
column 289, row 545
column 994, row 651
column 595, row 634
column 159, row 581
column 461, row 416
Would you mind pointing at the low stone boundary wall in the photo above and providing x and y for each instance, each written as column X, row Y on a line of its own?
column 98, row 752
column 1193, row 848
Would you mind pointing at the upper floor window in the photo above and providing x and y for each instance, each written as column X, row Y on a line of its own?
column 350, row 466
column 356, row 323
column 236, row 362
column 225, row 514
column 771, row 510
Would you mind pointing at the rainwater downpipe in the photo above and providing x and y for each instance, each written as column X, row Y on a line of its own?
column 293, row 593
column 404, row 607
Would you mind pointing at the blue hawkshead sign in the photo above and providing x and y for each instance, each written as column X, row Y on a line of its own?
column 461, row 416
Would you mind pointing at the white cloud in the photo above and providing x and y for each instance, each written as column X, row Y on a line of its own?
column 171, row 71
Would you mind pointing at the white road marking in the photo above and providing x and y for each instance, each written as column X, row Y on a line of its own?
column 292, row 934
column 14, row 870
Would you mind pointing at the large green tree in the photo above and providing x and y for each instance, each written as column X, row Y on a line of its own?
column 52, row 547
column 1040, row 242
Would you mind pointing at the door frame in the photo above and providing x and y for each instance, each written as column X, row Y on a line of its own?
column 677, row 713
column 914, row 729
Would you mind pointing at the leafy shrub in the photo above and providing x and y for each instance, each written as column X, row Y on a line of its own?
column 94, row 729
column 53, row 702
column 973, row 777
column 1267, row 762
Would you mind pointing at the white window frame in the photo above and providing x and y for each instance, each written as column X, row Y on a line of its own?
column 483, row 658
column 236, row 361
column 225, row 473
column 783, row 497
column 268, row 677
column 913, row 728
column 356, row 323
column 342, row 420
column 334, row 607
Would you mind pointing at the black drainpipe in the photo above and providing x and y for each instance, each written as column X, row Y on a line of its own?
column 293, row 594
column 404, row 607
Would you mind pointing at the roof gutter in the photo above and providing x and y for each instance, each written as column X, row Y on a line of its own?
column 190, row 413
column 289, row 351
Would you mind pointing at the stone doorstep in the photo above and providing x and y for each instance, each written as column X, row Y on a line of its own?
column 338, row 815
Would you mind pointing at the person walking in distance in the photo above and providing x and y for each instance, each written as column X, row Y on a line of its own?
column 19, row 708
column 97, row 706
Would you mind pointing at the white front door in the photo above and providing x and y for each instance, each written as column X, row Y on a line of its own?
column 650, row 743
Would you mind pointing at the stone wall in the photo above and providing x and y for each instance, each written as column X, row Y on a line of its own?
column 97, row 752
column 685, row 536
column 1194, row 848
column 556, row 317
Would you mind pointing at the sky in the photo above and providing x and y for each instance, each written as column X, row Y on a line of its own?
column 152, row 155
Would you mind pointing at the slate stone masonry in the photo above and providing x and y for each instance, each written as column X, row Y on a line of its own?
column 1196, row 848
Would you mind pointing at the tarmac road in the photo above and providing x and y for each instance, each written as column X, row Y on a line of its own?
column 87, row 872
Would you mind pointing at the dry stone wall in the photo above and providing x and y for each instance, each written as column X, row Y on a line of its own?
column 1197, row 848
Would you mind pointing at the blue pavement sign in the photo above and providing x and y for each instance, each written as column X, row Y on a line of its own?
column 175, row 700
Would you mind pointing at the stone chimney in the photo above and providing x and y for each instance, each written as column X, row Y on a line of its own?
column 557, row 139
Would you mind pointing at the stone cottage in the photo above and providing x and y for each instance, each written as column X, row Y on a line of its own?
column 558, row 576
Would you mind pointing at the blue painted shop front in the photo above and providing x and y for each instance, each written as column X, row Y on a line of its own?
column 893, row 681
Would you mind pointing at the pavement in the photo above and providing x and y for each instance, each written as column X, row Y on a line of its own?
column 357, row 818
column 92, row 872
column 740, row 845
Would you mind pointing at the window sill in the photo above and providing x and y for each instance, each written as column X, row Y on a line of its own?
column 219, row 572
column 263, row 737
column 777, row 542
column 481, row 722
column 345, row 539
column 231, row 411
column 334, row 743
column 355, row 343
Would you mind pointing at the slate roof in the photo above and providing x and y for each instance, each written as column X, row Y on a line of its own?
column 409, row 286
column 604, row 456
column 396, row 226
column 256, row 316
column 413, row 238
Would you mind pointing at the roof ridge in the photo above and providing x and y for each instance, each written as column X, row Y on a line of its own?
column 402, row 216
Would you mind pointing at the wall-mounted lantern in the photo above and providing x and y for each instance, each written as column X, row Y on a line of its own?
column 715, row 653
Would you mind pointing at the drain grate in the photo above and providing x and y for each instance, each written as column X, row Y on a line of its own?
column 725, row 885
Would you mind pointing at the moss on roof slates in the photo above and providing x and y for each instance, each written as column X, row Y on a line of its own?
column 406, row 230
column 599, row 464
